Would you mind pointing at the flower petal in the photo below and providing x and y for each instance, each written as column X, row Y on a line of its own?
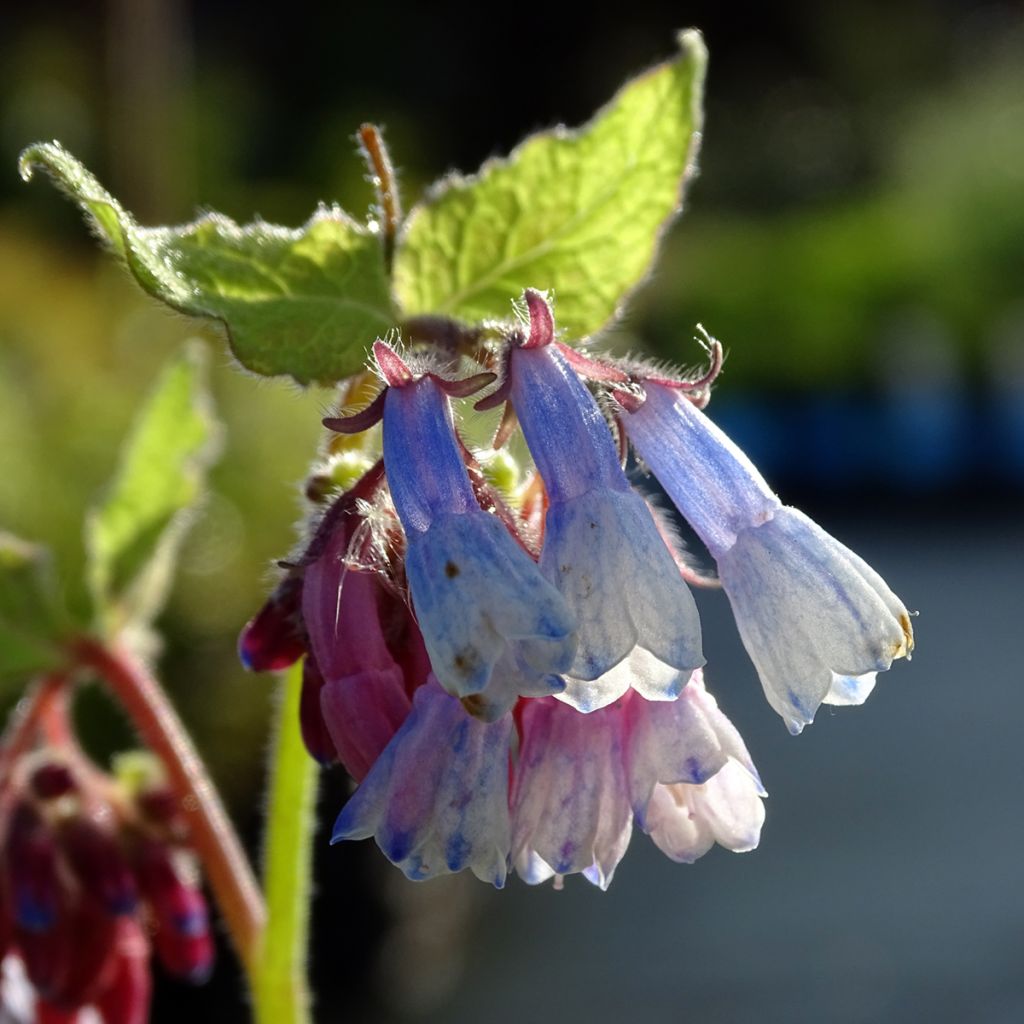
column 668, row 743
column 425, row 471
column 603, row 552
column 848, row 690
column 602, row 549
column 676, row 829
column 361, row 713
column 733, row 808
column 640, row 670
column 570, row 806
column 709, row 479
column 565, row 430
column 805, row 610
column 685, row 820
column 475, row 593
column 436, row 800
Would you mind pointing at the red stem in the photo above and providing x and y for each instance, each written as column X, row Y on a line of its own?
column 24, row 722
column 227, row 869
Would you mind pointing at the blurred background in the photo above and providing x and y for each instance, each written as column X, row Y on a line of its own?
column 855, row 238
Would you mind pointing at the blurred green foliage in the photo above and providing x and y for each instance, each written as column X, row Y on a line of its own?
column 79, row 347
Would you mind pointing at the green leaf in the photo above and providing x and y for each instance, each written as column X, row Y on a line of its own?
column 306, row 303
column 280, row 992
column 580, row 214
column 132, row 537
column 31, row 618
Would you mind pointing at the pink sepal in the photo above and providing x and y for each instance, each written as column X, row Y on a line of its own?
column 592, row 369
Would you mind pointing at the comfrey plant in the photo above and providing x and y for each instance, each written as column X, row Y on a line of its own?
column 497, row 641
column 554, row 696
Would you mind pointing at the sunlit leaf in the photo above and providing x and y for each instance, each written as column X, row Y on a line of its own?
column 306, row 303
column 133, row 535
column 579, row 213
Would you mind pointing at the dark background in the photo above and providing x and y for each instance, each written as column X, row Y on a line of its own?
column 856, row 239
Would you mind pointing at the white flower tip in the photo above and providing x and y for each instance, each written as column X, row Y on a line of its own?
column 596, row 876
column 850, row 690
column 492, row 869
column 532, row 868
column 747, row 845
column 797, row 713
column 587, row 696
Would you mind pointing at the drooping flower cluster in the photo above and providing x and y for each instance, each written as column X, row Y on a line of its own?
column 515, row 679
column 94, row 872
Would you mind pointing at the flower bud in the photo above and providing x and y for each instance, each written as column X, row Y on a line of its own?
column 52, row 780
column 274, row 639
column 31, row 874
column 126, row 998
column 160, row 806
column 315, row 734
column 88, row 957
column 99, row 863
column 182, row 926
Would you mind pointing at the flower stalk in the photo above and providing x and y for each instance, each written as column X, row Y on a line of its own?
column 31, row 712
column 280, row 992
column 371, row 141
column 154, row 718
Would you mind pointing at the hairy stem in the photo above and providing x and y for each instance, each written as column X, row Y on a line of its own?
column 225, row 864
column 46, row 695
column 379, row 161
column 281, row 994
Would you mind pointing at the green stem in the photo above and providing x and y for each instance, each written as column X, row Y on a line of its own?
column 280, row 993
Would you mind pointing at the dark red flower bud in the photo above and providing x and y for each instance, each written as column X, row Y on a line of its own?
column 362, row 713
column 274, row 639
column 47, row 1013
column 314, row 729
column 341, row 606
column 46, row 955
column 100, row 865
column 52, row 780
column 405, row 641
column 126, row 998
column 159, row 805
column 6, row 923
column 31, row 876
column 181, row 922
column 88, row 954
